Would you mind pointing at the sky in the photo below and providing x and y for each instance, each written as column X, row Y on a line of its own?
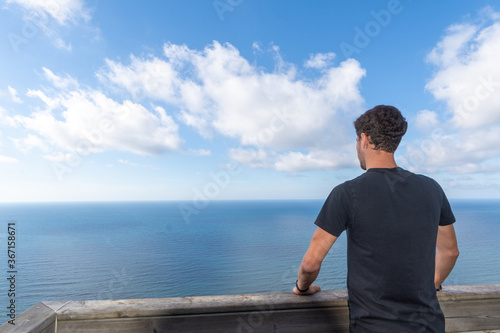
column 240, row 99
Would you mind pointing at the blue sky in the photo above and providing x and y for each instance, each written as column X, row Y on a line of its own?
column 230, row 99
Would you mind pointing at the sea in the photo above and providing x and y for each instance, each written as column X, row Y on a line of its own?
column 135, row 250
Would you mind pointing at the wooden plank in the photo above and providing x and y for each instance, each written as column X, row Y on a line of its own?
column 472, row 308
column 282, row 321
column 37, row 319
column 126, row 325
column 472, row 315
column 86, row 310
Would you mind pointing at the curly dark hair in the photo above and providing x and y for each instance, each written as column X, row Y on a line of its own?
column 385, row 125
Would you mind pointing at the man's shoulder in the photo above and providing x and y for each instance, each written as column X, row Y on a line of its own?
column 347, row 185
column 342, row 188
column 424, row 178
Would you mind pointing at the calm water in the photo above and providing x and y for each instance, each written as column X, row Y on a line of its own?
column 81, row 251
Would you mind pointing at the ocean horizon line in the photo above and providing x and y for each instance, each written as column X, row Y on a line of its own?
column 207, row 200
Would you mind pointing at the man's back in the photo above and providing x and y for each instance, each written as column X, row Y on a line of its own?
column 392, row 218
column 401, row 243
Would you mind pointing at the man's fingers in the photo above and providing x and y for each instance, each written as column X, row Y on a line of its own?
column 314, row 289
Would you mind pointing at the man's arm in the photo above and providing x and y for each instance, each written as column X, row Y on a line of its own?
column 446, row 254
column 321, row 243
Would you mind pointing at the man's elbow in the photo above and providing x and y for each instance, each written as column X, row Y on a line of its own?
column 310, row 266
column 453, row 253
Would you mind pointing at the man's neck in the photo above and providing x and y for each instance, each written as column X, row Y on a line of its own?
column 380, row 159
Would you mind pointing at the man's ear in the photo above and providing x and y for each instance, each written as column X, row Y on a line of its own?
column 365, row 140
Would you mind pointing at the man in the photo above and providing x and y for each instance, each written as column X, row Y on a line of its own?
column 401, row 244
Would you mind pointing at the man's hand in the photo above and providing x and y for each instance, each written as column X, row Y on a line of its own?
column 310, row 291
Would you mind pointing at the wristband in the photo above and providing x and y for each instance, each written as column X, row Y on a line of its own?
column 300, row 290
column 440, row 288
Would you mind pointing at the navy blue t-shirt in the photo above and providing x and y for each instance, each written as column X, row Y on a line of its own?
column 391, row 217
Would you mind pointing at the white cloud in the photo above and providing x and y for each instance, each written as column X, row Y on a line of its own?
column 51, row 15
column 467, row 79
column 200, row 152
column 256, row 48
column 50, row 102
column 177, row 54
column 152, row 78
column 62, row 11
column 216, row 90
column 468, row 75
column 328, row 159
column 88, row 121
column 198, row 122
column 28, row 143
column 59, row 157
column 8, row 159
column 5, row 118
column 293, row 161
column 61, row 44
column 136, row 165
column 426, row 120
column 451, row 150
column 128, row 163
column 250, row 158
column 451, row 47
column 58, row 81
column 13, row 95
column 320, row 60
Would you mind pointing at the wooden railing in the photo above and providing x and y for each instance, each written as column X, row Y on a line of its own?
column 466, row 308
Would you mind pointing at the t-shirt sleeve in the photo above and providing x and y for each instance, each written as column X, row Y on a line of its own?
column 335, row 215
column 447, row 216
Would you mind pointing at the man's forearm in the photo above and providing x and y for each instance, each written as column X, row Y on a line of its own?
column 321, row 243
column 445, row 261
